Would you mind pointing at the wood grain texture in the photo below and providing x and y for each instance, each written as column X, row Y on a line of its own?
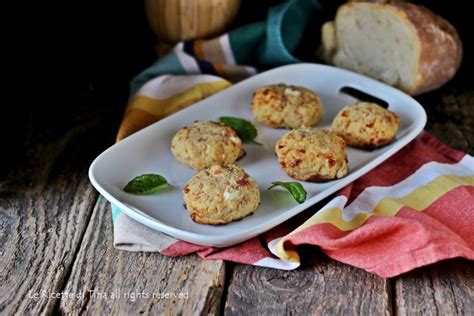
column 446, row 288
column 100, row 268
column 324, row 287
column 451, row 116
column 45, row 203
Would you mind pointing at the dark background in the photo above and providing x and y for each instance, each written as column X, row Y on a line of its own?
column 80, row 56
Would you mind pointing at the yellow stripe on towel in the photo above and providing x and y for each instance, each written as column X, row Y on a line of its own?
column 165, row 107
column 418, row 199
column 143, row 110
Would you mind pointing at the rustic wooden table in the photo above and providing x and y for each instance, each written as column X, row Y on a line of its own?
column 56, row 236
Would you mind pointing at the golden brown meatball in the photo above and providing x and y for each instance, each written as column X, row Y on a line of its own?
column 366, row 125
column 286, row 106
column 220, row 195
column 206, row 143
column 312, row 154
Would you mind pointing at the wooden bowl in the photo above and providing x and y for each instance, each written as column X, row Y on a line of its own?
column 177, row 20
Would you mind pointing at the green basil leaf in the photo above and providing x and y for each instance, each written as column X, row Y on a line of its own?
column 296, row 190
column 244, row 129
column 146, row 184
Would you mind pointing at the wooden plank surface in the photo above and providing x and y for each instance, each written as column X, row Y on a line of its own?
column 45, row 203
column 323, row 287
column 139, row 279
column 446, row 288
column 450, row 113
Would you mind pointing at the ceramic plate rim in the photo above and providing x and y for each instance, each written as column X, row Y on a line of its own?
column 236, row 237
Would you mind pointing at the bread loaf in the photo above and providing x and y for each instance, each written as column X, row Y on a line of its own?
column 402, row 44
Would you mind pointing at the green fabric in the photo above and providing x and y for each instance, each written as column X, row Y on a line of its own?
column 115, row 212
column 244, row 40
column 285, row 27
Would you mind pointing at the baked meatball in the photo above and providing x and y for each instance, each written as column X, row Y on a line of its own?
column 206, row 143
column 312, row 154
column 220, row 195
column 286, row 106
column 366, row 125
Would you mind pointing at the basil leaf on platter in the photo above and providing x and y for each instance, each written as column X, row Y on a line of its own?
column 244, row 129
column 146, row 184
column 296, row 189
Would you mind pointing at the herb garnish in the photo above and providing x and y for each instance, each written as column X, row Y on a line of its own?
column 146, row 184
column 295, row 188
column 244, row 129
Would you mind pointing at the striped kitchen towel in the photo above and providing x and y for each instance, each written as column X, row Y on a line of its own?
column 212, row 65
column 414, row 209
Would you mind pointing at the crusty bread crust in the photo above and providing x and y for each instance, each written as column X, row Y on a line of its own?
column 440, row 47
